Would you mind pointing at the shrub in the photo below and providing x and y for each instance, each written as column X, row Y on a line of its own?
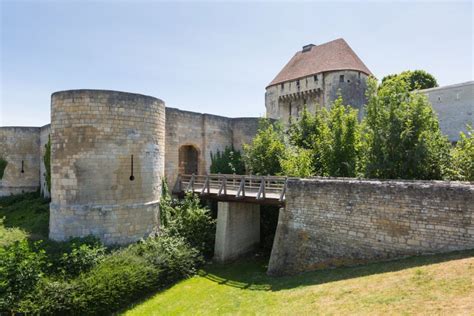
column 120, row 278
column 69, row 259
column 21, row 267
column 186, row 218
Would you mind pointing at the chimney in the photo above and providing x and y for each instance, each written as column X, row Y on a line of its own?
column 307, row 48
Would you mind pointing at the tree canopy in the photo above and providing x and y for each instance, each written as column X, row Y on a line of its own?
column 415, row 79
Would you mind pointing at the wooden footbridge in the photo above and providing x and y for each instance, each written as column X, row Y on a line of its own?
column 268, row 190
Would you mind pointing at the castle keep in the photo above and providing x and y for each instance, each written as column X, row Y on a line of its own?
column 111, row 150
column 314, row 77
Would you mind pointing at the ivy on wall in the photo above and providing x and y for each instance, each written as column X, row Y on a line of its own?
column 3, row 165
column 47, row 163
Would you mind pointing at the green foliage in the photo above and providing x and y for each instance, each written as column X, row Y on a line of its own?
column 78, row 255
column 47, row 162
column 416, row 79
column 463, row 157
column 229, row 161
column 21, row 267
column 28, row 211
column 3, row 165
column 329, row 143
column 297, row 162
column 403, row 138
column 186, row 218
column 263, row 155
column 9, row 235
column 341, row 141
column 121, row 277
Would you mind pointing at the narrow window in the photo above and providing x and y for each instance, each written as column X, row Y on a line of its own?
column 282, row 86
column 298, row 84
column 341, row 78
column 289, row 116
column 315, row 78
column 359, row 74
column 132, row 177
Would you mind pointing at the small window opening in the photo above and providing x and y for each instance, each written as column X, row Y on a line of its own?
column 359, row 74
column 282, row 86
column 315, row 77
column 341, row 78
column 132, row 177
column 289, row 116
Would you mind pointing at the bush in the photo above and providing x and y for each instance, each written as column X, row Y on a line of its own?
column 120, row 278
column 21, row 267
column 69, row 259
column 186, row 218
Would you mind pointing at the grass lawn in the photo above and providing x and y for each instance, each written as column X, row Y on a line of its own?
column 441, row 284
column 28, row 212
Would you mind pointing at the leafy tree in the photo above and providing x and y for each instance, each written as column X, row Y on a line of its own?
column 463, row 157
column 416, row 79
column 297, row 162
column 263, row 155
column 332, row 136
column 227, row 162
column 341, row 143
column 403, row 137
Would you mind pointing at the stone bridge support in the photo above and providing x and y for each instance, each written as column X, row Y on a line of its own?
column 238, row 230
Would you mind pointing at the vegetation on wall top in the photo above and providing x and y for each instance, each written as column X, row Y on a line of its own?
column 3, row 165
column 47, row 162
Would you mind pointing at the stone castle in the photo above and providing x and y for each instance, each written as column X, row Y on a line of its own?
column 111, row 150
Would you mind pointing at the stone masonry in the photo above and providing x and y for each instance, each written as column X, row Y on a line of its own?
column 238, row 230
column 96, row 187
column 19, row 146
column 332, row 222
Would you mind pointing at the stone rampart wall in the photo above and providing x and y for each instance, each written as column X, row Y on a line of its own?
column 206, row 133
column 332, row 222
column 19, row 146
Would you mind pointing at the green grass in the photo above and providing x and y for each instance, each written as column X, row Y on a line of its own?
column 28, row 212
column 441, row 284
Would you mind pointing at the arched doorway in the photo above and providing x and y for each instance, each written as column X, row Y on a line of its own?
column 188, row 159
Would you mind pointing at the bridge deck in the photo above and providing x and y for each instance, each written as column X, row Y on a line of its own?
column 224, row 187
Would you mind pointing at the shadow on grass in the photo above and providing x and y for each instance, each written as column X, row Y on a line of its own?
column 28, row 211
column 250, row 274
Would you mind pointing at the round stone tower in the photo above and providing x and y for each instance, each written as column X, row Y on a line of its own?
column 107, row 164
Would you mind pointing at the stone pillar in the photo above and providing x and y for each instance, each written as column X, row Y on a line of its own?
column 238, row 230
column 107, row 164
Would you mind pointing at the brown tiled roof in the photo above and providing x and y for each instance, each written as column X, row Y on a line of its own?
column 330, row 56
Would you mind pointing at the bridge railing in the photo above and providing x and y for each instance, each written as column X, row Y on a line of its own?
column 239, row 186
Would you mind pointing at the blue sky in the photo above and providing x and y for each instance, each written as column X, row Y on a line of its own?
column 214, row 57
